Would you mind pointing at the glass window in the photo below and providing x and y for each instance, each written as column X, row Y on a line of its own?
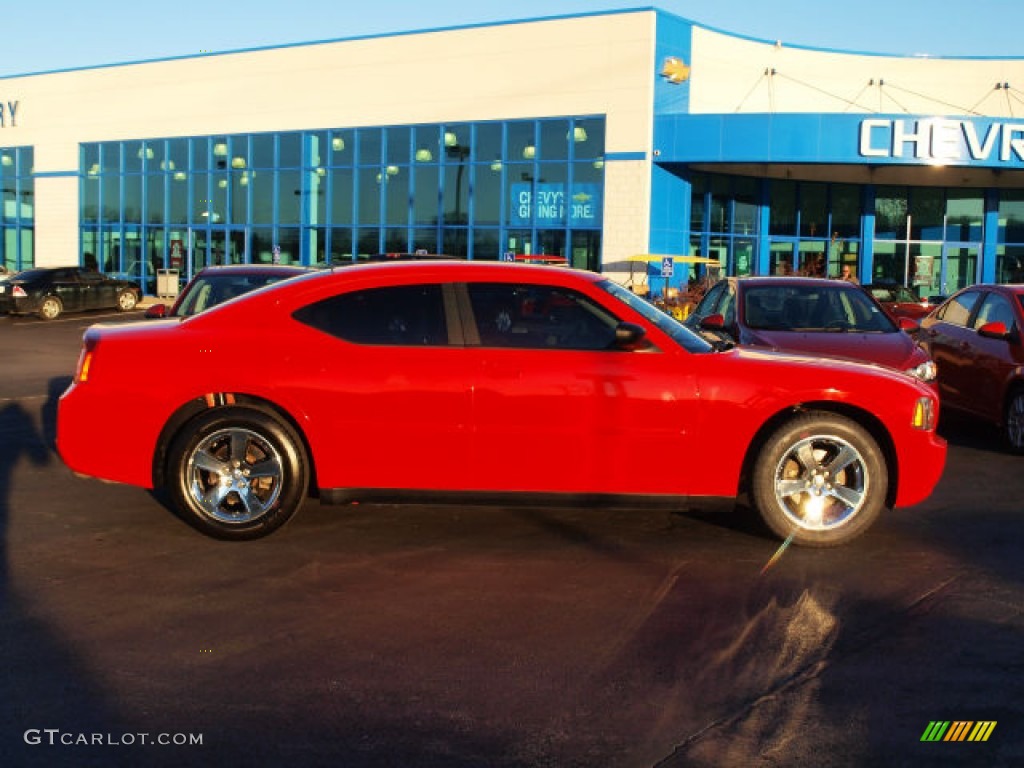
column 398, row 141
column 369, row 146
column 783, row 207
column 396, row 196
column 341, row 245
column 133, row 156
column 367, row 241
column 343, row 145
column 289, row 150
column 588, row 138
column 487, row 195
column 488, row 143
column 406, row 315
column 522, row 143
column 177, row 156
column 555, row 138
column 111, row 157
column 457, row 141
column 1011, row 216
column 427, row 144
column 927, row 208
column 155, row 184
column 1010, row 264
column 745, row 206
column 486, row 244
column 698, row 187
column 455, row 200
column 425, row 240
column 813, row 210
column 891, row 213
column 995, row 309
column 261, row 192
column 965, row 215
column 341, row 196
column 539, row 317
column 289, row 197
column 263, row 151
column 958, row 311
column 369, row 180
column 317, row 185
column 200, row 154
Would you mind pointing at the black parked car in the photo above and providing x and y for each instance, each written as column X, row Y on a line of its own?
column 51, row 291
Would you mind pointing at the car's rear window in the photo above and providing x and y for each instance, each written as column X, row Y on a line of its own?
column 400, row 315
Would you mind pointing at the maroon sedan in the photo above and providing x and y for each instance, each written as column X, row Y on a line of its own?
column 975, row 340
column 810, row 316
column 899, row 301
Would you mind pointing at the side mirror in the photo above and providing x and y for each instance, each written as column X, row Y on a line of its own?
column 713, row 323
column 628, row 336
column 908, row 324
column 994, row 330
column 156, row 311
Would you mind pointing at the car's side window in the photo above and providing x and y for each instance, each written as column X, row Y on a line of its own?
column 958, row 311
column 993, row 309
column 539, row 317
column 400, row 315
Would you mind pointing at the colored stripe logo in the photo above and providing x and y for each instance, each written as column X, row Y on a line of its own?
column 958, row 730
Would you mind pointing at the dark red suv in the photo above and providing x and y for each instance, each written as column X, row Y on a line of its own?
column 975, row 339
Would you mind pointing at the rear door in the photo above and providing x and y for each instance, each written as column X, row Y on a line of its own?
column 386, row 384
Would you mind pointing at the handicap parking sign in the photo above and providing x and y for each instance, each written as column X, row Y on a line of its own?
column 667, row 266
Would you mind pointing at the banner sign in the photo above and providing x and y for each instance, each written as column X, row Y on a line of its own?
column 546, row 205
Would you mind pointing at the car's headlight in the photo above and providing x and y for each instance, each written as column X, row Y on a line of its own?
column 925, row 371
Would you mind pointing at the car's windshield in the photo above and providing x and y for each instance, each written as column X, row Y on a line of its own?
column 817, row 307
column 661, row 320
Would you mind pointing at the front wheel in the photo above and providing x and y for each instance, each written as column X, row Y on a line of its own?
column 821, row 479
column 237, row 473
column 1013, row 421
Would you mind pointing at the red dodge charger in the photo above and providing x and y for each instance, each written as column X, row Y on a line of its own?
column 474, row 380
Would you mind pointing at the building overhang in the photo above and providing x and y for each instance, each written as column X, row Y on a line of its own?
column 948, row 151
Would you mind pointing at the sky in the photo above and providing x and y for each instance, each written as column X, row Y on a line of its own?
column 48, row 35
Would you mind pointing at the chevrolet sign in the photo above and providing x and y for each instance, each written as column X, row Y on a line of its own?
column 942, row 140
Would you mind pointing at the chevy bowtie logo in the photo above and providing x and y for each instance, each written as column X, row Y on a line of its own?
column 675, row 70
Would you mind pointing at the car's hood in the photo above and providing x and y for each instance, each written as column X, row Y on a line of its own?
column 895, row 350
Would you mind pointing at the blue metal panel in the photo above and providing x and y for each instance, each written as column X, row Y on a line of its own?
column 840, row 138
column 672, row 40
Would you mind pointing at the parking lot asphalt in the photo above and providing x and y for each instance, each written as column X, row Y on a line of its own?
column 430, row 635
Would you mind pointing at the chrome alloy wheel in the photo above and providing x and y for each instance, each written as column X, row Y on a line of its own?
column 234, row 475
column 821, row 482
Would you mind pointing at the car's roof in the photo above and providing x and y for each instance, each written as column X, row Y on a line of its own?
column 791, row 280
column 253, row 269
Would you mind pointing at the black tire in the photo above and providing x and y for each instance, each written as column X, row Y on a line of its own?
column 127, row 300
column 1013, row 421
column 212, row 466
column 50, row 308
column 821, row 479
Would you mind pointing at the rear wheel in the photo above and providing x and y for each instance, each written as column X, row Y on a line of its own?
column 50, row 308
column 821, row 479
column 127, row 300
column 237, row 473
column 1013, row 421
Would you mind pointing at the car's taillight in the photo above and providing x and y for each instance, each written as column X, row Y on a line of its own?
column 18, row 292
column 85, row 363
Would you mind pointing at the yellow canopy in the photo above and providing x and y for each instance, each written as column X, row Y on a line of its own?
column 653, row 258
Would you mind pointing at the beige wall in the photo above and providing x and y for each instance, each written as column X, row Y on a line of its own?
column 728, row 76
column 586, row 65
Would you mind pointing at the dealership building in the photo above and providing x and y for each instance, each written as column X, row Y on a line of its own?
column 595, row 137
